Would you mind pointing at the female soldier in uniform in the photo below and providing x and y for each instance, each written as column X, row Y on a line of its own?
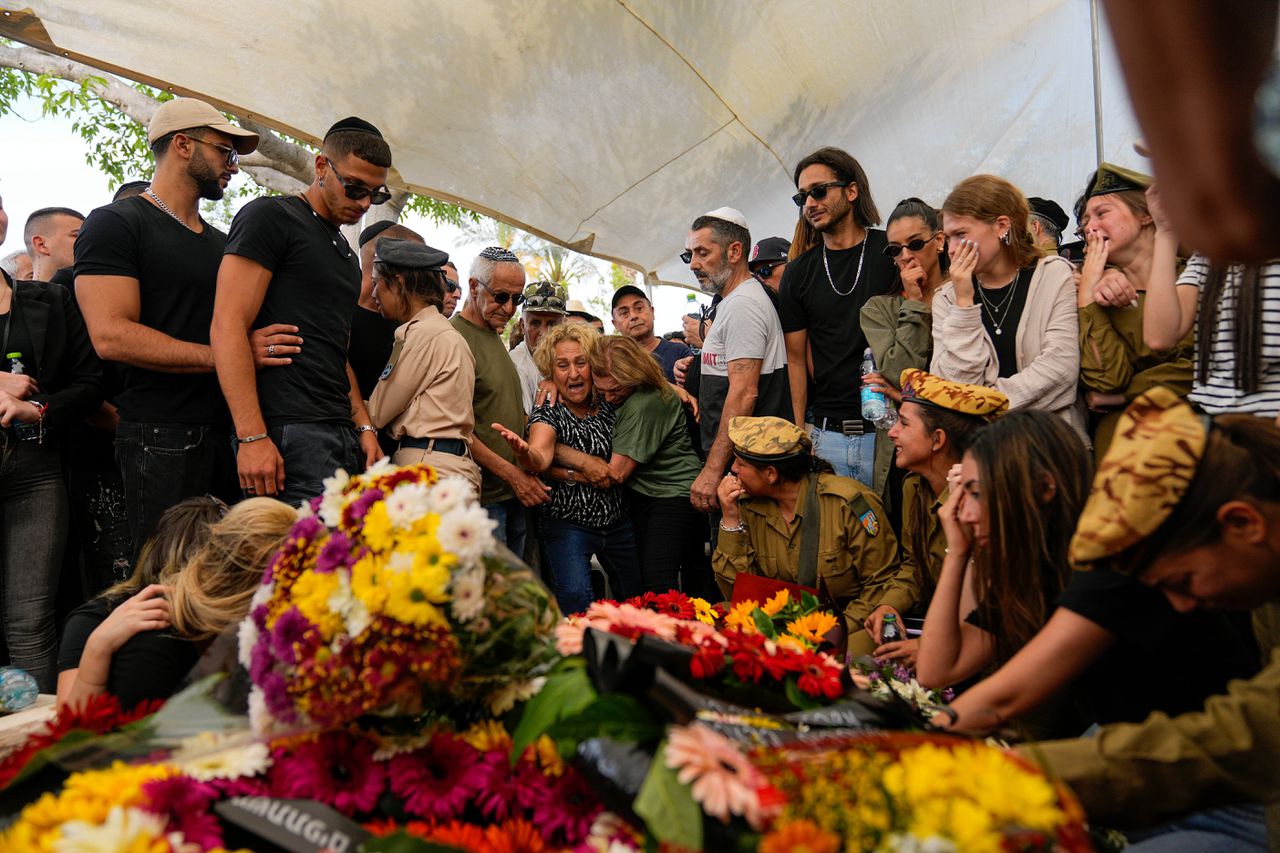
column 423, row 398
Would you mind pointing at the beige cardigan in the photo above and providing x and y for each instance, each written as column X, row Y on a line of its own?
column 1048, row 346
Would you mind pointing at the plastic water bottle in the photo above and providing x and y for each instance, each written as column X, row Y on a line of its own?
column 875, row 406
column 15, row 363
column 18, row 689
column 890, row 630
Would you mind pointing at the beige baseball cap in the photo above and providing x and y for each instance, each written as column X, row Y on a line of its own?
column 186, row 113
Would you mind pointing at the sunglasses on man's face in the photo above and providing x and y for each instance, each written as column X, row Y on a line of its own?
column 765, row 271
column 232, row 155
column 895, row 249
column 503, row 298
column 356, row 191
column 817, row 193
column 450, row 285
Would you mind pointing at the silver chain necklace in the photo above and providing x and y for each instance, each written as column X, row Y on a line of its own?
column 160, row 204
column 858, row 275
column 1006, row 304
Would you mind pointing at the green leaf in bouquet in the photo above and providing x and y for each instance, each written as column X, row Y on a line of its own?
column 799, row 698
column 401, row 842
column 809, row 602
column 764, row 622
column 566, row 692
column 667, row 806
column 613, row 715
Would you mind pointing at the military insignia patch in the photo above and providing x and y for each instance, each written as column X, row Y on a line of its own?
column 391, row 362
column 870, row 523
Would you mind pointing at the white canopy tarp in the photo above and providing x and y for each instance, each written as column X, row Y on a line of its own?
column 608, row 125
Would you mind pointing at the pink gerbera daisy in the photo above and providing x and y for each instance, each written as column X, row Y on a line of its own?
column 723, row 781
column 438, row 780
column 337, row 769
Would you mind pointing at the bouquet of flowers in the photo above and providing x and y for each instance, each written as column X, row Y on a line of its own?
column 889, row 679
column 392, row 597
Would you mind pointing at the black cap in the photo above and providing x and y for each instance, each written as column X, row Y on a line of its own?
column 770, row 250
column 407, row 254
column 626, row 290
column 353, row 123
column 374, row 230
column 1049, row 210
column 131, row 188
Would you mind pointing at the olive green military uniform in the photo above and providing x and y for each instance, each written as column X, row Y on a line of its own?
column 857, row 551
column 922, row 534
column 900, row 334
column 1115, row 360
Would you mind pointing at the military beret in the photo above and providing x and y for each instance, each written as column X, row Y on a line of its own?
column 353, row 123
column 547, row 297
column 1148, row 468
column 1115, row 179
column 974, row 400
column 765, row 441
column 1050, row 210
column 407, row 254
column 374, row 230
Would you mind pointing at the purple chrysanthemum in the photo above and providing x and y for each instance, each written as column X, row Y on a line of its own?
column 335, row 553
column 289, row 631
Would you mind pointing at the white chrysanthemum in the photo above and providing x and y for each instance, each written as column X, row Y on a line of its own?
column 904, row 843
column 246, row 639
column 467, row 532
column 505, row 697
column 467, row 592
column 345, row 603
column 408, row 503
column 332, row 499
column 124, row 829
column 260, row 719
column 449, row 492
column 262, row 594
column 304, row 511
column 221, row 755
column 400, row 561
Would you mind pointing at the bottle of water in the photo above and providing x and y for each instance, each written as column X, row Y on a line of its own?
column 875, row 407
column 18, row 689
column 15, row 363
column 890, row 630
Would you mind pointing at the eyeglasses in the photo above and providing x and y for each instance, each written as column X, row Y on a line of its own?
column 895, row 249
column 817, row 193
column 686, row 257
column 451, row 285
column 765, row 271
column 233, row 156
column 503, row 298
column 355, row 191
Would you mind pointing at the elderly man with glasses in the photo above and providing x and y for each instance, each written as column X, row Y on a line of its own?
column 286, row 261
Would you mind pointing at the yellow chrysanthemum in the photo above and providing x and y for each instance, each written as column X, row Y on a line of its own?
column 368, row 582
column 412, row 594
column 703, row 611
column 311, row 592
column 428, row 551
column 740, row 617
column 548, row 756
column 774, row 605
column 812, row 627
column 487, row 736
column 378, row 532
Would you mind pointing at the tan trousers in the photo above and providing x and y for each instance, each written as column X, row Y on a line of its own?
column 446, row 464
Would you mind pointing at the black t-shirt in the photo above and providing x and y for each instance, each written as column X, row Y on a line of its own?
column 372, row 337
column 1001, row 314
column 315, row 283
column 18, row 342
column 1162, row 660
column 177, row 272
column 808, row 301
column 150, row 665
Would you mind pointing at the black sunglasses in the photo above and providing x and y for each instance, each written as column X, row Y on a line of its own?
column 233, row 156
column 765, row 271
column 355, row 191
column 450, row 285
column 503, row 298
column 817, row 193
column 895, row 249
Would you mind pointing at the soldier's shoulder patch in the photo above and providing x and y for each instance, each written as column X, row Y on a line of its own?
column 391, row 362
column 866, row 515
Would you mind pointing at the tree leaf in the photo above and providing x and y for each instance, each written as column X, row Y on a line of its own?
column 667, row 806
column 567, row 691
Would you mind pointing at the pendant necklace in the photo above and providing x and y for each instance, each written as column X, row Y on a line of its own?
column 1004, row 305
column 160, row 204
column 340, row 244
column 858, row 275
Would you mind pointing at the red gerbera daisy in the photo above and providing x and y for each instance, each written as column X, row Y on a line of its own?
column 438, row 780
column 336, row 768
column 675, row 603
column 818, row 677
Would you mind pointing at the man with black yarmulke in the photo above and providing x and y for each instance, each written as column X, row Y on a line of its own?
column 285, row 257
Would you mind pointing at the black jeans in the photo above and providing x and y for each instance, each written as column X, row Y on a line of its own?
column 672, row 537
column 33, row 523
column 161, row 464
column 312, row 452
column 99, row 522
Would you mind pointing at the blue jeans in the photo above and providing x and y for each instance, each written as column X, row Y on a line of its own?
column 33, row 524
column 1236, row 828
column 162, row 464
column 852, row 456
column 312, row 452
column 512, row 524
column 568, row 548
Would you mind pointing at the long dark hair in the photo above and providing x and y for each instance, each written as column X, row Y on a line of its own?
column 932, row 219
column 1246, row 348
column 846, row 168
column 1023, row 569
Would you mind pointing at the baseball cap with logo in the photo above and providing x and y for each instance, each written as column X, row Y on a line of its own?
column 770, row 250
column 188, row 113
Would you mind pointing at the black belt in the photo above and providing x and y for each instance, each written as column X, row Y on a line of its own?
column 454, row 446
column 856, row 426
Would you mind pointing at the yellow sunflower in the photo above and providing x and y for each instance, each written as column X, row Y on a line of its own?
column 812, row 627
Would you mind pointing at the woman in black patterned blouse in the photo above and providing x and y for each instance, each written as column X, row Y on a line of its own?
column 580, row 520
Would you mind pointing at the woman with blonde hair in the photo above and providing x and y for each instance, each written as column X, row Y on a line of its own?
column 210, row 594
column 1008, row 317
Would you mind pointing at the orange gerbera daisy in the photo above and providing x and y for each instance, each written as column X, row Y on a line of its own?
column 514, row 836
column 800, row 836
column 812, row 627
column 775, row 604
column 740, row 617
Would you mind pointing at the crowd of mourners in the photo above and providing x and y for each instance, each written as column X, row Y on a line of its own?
column 169, row 394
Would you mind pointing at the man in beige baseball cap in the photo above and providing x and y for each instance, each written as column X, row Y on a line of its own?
column 183, row 114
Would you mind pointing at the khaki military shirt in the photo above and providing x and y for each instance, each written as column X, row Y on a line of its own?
column 922, row 532
column 857, row 552
column 1136, row 774
column 426, row 388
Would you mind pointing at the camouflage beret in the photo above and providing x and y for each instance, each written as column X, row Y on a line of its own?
column 1147, row 470
column 546, row 296
column 1115, row 179
column 768, row 440
column 974, row 400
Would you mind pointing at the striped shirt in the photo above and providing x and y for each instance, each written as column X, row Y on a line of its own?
column 1220, row 394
